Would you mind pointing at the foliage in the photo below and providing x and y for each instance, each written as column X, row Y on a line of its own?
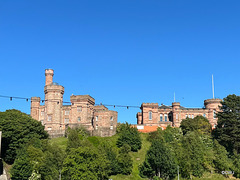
column 227, row 131
column 198, row 123
column 17, row 129
column 161, row 161
column 124, row 160
column 38, row 159
column 129, row 135
column 85, row 163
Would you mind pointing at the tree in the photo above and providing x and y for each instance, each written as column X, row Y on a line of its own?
column 85, row 163
column 129, row 135
column 125, row 161
column 227, row 131
column 199, row 124
column 17, row 129
column 160, row 160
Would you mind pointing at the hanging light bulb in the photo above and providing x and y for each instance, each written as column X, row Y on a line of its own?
column 10, row 98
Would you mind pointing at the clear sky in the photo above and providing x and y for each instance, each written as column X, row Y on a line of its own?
column 120, row 51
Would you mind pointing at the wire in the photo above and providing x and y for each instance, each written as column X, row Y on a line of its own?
column 44, row 100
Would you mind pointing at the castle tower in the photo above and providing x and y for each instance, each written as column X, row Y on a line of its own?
column 35, row 105
column 176, row 114
column 53, row 102
column 212, row 105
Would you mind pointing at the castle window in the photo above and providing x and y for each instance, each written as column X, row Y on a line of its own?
column 79, row 119
column 214, row 114
column 204, row 115
column 67, row 112
column 186, row 115
column 176, row 116
column 189, row 116
column 66, row 120
column 49, row 128
column 161, row 117
column 111, row 127
column 111, row 118
column 49, row 118
column 42, row 113
column 96, row 118
column 42, row 122
column 96, row 126
column 150, row 115
column 165, row 117
column 192, row 116
column 79, row 109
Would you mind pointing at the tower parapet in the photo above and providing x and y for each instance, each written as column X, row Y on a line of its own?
column 212, row 103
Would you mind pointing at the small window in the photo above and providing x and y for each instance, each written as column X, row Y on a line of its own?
column 214, row 114
column 42, row 122
column 42, row 113
column 192, row 116
column 165, row 117
column 111, row 127
column 66, row 120
column 189, row 116
column 150, row 115
column 49, row 118
column 67, row 112
column 79, row 119
column 96, row 118
column 96, row 126
column 186, row 115
column 204, row 115
column 49, row 128
column 176, row 116
column 161, row 117
column 111, row 118
column 79, row 109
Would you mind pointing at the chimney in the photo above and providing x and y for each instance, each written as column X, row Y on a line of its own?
column 49, row 76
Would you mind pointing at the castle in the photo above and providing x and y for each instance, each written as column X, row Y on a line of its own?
column 56, row 117
column 153, row 116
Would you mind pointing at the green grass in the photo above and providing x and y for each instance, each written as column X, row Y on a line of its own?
column 61, row 142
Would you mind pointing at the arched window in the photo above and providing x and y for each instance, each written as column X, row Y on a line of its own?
column 165, row 117
column 79, row 119
column 161, row 117
column 150, row 115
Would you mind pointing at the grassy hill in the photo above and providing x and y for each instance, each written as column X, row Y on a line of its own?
column 138, row 157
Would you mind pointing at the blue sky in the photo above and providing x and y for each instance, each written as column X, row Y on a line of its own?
column 120, row 52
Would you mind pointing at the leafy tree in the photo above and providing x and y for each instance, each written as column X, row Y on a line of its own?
column 129, row 135
column 199, row 124
column 221, row 160
column 160, row 159
column 227, row 131
column 85, row 163
column 125, row 161
column 17, row 129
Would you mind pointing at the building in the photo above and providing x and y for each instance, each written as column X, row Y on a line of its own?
column 82, row 110
column 153, row 116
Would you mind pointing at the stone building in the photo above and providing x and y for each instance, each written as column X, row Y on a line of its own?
column 56, row 117
column 153, row 116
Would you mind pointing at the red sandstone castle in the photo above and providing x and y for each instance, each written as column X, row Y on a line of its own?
column 154, row 116
column 56, row 117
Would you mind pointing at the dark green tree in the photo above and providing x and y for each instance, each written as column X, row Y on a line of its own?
column 124, row 159
column 85, row 163
column 160, row 159
column 17, row 129
column 199, row 124
column 129, row 135
column 227, row 131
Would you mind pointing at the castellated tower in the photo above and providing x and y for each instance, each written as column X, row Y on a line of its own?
column 212, row 107
column 53, row 102
column 35, row 106
column 176, row 114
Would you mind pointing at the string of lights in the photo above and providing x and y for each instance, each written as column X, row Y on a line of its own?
column 101, row 104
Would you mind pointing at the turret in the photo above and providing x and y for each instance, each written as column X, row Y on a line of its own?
column 212, row 107
column 35, row 104
column 176, row 113
column 49, row 76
